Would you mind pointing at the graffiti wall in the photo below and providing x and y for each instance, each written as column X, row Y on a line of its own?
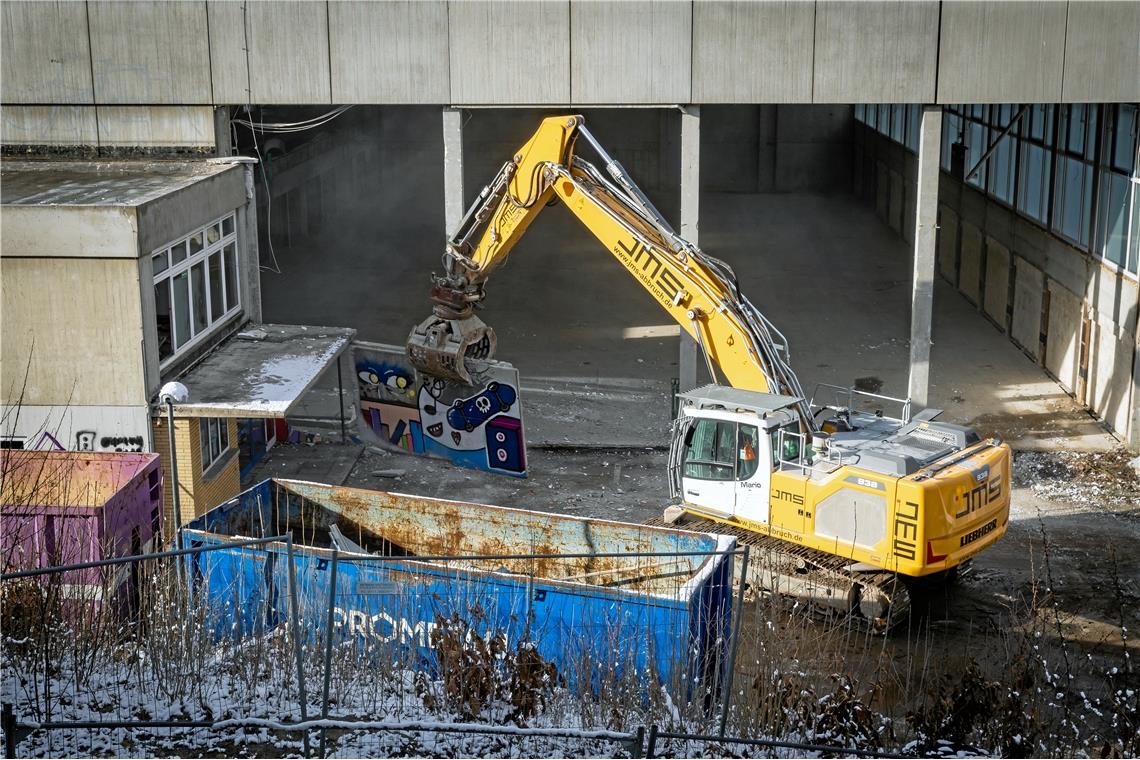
column 478, row 426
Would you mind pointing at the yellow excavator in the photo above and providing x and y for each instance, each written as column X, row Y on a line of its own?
column 843, row 505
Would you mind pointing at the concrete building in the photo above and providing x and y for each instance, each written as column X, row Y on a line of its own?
column 708, row 104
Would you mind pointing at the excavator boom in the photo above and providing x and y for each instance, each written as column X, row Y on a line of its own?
column 697, row 290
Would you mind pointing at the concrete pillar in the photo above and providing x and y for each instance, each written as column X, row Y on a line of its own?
column 925, row 240
column 690, row 215
column 452, row 168
column 223, row 144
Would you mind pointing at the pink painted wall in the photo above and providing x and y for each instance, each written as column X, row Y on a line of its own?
column 62, row 507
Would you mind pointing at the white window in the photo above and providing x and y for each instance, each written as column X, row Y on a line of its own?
column 214, row 433
column 195, row 286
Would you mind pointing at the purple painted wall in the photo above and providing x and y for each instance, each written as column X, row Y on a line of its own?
column 61, row 507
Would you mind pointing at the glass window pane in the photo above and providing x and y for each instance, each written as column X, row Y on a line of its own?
column 181, row 285
column 162, row 318
column 1124, row 139
column 1134, row 249
column 217, row 293
column 859, row 110
column 232, row 283
column 159, row 263
column 898, row 122
column 178, row 253
column 1001, row 170
column 223, row 434
column 1091, row 131
column 201, row 308
column 196, row 244
column 215, row 440
column 976, row 140
column 748, row 453
column 204, row 440
column 913, row 117
column 228, row 225
column 1112, row 230
column 213, row 234
column 1033, row 181
column 710, row 450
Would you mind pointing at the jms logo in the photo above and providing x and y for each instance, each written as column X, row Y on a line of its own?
column 986, row 490
column 652, row 270
column 794, row 498
column 906, row 530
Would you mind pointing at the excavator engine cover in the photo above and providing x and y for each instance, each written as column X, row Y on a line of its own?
column 440, row 347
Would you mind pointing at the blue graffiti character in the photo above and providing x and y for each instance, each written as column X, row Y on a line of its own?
column 468, row 414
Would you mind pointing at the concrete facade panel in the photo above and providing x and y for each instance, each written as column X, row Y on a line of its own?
column 1102, row 53
column 229, row 70
column 288, row 52
column 996, row 294
column 1112, row 295
column 156, row 126
column 509, row 53
column 875, row 52
column 1029, row 287
column 83, row 428
column 748, row 52
column 182, row 211
column 999, row 52
column 948, row 245
column 48, row 125
column 631, row 52
column 1063, row 341
column 1111, row 363
column 57, row 314
column 970, row 263
column 69, row 231
column 391, row 52
column 150, row 52
column 45, row 54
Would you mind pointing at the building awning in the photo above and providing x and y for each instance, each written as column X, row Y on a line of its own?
column 262, row 371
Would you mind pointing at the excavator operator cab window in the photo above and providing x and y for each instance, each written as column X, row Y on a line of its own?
column 787, row 444
column 747, row 457
column 710, row 450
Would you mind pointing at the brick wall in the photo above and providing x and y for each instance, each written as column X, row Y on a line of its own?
column 198, row 492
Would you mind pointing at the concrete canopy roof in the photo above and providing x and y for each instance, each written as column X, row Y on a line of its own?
column 263, row 371
column 99, row 183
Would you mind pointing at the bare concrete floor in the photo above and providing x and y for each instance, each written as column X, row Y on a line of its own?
column 824, row 269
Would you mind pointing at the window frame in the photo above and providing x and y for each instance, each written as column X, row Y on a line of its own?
column 171, row 271
column 1106, row 166
column 210, row 459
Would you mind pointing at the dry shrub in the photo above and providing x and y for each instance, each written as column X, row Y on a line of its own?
column 481, row 677
column 842, row 715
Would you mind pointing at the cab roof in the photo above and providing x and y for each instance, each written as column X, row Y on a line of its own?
column 736, row 399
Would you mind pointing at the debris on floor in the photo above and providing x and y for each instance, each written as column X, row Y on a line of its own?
column 1096, row 478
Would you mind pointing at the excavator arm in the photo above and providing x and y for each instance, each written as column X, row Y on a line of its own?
column 742, row 349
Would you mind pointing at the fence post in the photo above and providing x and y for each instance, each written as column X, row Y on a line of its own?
column 727, row 699
column 9, row 722
column 328, row 643
column 638, row 748
column 651, row 743
column 294, row 624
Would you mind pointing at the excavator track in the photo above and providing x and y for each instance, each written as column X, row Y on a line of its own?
column 821, row 582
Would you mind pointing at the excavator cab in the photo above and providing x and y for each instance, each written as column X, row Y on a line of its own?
column 726, row 443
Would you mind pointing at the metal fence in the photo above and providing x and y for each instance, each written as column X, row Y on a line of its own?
column 182, row 650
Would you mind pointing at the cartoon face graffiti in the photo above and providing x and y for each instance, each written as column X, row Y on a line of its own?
column 378, row 382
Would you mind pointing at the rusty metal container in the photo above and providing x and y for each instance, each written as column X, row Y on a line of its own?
column 597, row 599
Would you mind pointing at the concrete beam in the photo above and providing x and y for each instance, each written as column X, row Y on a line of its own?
column 452, row 168
column 925, row 242
column 690, row 217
